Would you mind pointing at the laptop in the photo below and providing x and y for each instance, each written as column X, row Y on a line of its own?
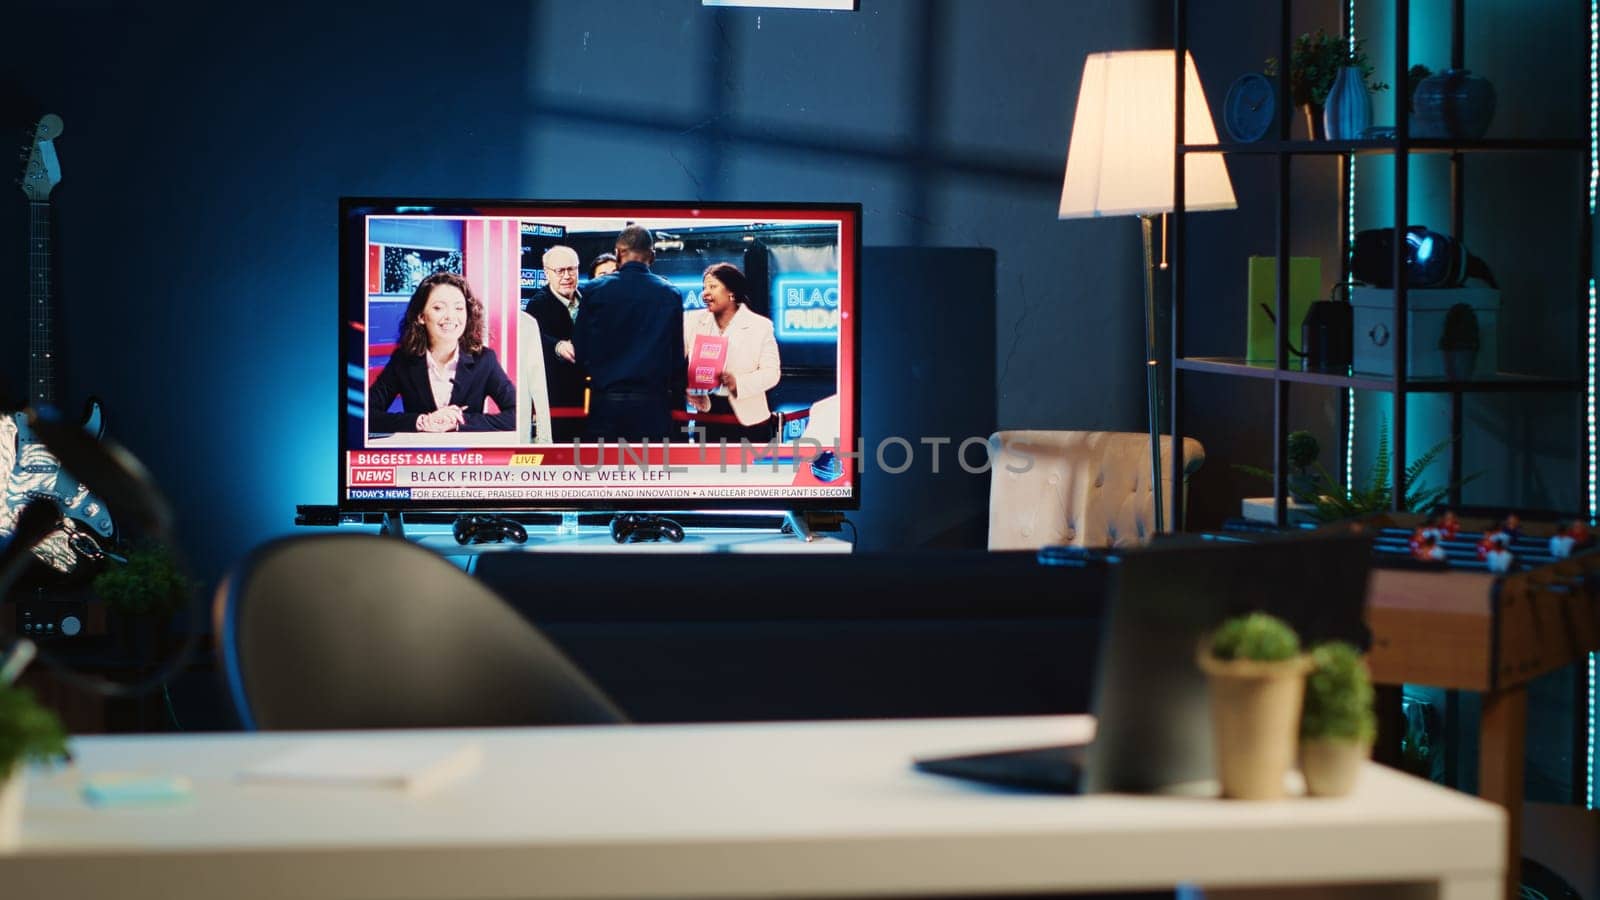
column 1153, row 732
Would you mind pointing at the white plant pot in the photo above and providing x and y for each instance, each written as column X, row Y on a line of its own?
column 1255, row 721
column 12, row 788
column 1332, row 765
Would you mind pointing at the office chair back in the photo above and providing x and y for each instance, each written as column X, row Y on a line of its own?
column 360, row 631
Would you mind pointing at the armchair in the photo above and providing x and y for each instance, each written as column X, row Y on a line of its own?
column 1084, row 488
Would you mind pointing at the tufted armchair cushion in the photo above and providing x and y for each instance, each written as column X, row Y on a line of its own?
column 1085, row 488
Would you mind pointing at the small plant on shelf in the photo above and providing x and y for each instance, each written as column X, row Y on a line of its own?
column 1334, row 502
column 1256, row 678
column 1257, row 637
column 1303, row 453
column 1337, row 726
column 149, row 584
column 1329, row 501
column 1314, row 63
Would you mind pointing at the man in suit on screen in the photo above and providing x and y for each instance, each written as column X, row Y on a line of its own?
column 629, row 338
column 555, row 308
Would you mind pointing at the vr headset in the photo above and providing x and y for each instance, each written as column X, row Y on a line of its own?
column 1433, row 260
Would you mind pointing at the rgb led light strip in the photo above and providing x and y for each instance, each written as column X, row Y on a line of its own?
column 1350, row 239
column 1589, row 395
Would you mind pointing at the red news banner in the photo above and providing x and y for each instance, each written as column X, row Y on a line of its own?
column 612, row 471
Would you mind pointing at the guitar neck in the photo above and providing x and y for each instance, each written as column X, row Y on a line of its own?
column 41, row 354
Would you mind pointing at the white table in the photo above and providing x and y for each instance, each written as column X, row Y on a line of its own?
column 800, row 809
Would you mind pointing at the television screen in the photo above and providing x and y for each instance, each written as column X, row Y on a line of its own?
column 534, row 355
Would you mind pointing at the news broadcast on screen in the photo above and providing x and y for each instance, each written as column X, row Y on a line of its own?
column 559, row 354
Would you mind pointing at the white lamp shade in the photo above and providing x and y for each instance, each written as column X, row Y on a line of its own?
column 1120, row 159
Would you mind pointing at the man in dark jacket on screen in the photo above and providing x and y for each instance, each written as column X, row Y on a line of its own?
column 629, row 338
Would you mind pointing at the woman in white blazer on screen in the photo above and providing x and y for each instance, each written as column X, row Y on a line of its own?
column 738, row 408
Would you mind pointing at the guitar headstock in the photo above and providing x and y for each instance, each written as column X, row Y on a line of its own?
column 43, row 171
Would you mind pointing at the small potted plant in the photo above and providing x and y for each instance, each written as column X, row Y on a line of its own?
column 28, row 733
column 1459, row 342
column 1333, row 502
column 1303, row 452
column 1338, row 726
column 143, row 592
column 1314, row 63
column 1256, row 678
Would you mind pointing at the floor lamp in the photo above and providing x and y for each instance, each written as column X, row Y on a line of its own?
column 1120, row 163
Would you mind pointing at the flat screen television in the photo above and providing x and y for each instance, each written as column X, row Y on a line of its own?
column 525, row 439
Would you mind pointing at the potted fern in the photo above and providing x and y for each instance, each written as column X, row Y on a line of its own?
column 28, row 733
column 1329, row 501
column 1256, row 682
column 1338, row 726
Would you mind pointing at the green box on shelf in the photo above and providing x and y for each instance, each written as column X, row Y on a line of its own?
column 1305, row 287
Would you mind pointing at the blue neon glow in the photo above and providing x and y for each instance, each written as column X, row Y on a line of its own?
column 690, row 289
column 806, row 308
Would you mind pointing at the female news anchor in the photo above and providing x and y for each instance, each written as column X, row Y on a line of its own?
column 441, row 370
column 751, row 367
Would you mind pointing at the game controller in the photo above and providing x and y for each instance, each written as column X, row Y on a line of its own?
column 488, row 530
column 633, row 528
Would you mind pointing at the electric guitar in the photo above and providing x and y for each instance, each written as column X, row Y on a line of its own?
column 30, row 471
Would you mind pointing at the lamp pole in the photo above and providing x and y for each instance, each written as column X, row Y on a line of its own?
column 1151, row 367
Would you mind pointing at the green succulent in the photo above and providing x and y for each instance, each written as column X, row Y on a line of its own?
column 28, row 732
column 1303, row 449
column 1338, row 701
column 1257, row 636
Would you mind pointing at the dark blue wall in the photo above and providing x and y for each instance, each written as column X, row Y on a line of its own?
column 205, row 149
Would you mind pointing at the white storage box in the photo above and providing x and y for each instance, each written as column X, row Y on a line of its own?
column 1425, row 315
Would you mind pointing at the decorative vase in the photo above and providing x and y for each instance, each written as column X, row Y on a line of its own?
column 11, row 790
column 1458, row 364
column 1331, row 765
column 1313, row 114
column 1348, row 111
column 1452, row 104
column 1255, row 722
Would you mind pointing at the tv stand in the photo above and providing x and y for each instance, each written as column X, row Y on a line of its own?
column 797, row 524
column 562, row 533
column 805, row 525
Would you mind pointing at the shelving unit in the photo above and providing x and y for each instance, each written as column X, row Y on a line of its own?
column 1501, row 769
column 1283, row 374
